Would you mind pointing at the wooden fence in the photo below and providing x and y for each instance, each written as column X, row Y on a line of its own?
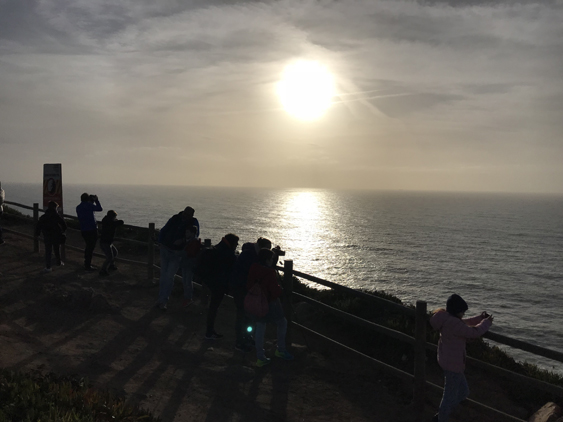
column 417, row 340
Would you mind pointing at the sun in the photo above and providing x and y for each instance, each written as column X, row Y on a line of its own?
column 306, row 89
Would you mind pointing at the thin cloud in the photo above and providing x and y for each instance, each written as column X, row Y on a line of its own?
column 426, row 81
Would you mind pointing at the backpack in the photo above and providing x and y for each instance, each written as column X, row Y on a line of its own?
column 256, row 302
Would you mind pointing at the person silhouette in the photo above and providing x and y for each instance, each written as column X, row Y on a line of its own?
column 88, row 226
column 53, row 226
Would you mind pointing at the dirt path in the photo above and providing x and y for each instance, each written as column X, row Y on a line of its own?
column 72, row 322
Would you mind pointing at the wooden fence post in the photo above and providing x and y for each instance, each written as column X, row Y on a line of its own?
column 419, row 395
column 288, row 293
column 35, row 221
column 150, row 252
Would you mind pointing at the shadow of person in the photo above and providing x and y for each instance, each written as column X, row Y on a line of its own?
column 238, row 391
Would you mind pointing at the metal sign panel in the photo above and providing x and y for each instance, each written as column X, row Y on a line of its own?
column 53, row 185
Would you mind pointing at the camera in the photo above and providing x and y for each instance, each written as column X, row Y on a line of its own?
column 278, row 251
column 93, row 198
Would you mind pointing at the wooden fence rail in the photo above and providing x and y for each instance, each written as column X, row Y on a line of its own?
column 150, row 242
column 370, row 298
column 499, row 338
column 417, row 340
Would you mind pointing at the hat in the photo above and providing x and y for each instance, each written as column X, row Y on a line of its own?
column 455, row 304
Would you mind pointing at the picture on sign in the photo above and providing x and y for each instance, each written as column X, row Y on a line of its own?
column 52, row 185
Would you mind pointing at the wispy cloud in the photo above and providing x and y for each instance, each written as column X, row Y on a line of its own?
column 429, row 81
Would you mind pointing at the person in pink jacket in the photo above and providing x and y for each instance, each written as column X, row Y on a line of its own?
column 454, row 332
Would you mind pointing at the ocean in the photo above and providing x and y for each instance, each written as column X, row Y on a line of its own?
column 502, row 253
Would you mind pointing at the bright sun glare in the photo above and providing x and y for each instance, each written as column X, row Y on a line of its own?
column 306, row 89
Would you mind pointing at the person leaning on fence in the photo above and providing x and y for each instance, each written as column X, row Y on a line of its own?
column 109, row 225
column 2, row 198
column 266, row 276
column 237, row 288
column 53, row 226
column 172, row 240
column 192, row 251
column 215, row 270
column 454, row 332
column 88, row 226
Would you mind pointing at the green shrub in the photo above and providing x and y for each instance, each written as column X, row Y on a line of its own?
column 36, row 397
column 12, row 215
column 11, row 211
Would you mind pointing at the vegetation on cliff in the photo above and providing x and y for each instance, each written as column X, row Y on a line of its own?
column 38, row 397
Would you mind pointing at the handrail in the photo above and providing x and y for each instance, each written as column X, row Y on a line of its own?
column 357, row 320
column 522, row 345
column 478, row 404
column 400, row 373
column 541, row 385
column 18, row 233
column 73, row 217
column 381, row 365
column 127, row 226
column 499, row 338
column 121, row 239
column 76, row 248
column 117, row 258
column 363, row 295
column 27, row 207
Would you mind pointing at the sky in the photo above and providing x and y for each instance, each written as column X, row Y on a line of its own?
column 429, row 95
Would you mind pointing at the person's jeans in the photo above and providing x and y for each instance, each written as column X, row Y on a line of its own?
column 281, row 329
column 188, row 265
column 90, row 238
column 455, row 391
column 170, row 261
column 49, row 248
column 110, row 252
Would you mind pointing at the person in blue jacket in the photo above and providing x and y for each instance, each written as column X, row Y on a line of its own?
column 88, row 226
column 172, row 240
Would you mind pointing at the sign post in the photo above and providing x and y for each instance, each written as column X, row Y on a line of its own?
column 53, row 191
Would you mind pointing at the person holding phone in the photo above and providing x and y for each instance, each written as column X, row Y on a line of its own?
column 454, row 333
